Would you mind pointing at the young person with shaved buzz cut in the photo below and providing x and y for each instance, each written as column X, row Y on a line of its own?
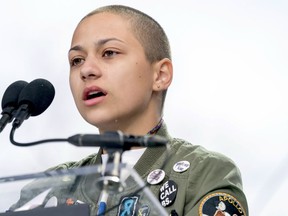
column 120, row 70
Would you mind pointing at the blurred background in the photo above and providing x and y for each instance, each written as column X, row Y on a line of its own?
column 229, row 92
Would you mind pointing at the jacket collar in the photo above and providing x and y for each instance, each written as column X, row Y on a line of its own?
column 151, row 155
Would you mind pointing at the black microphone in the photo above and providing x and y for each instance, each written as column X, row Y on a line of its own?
column 33, row 100
column 117, row 140
column 10, row 102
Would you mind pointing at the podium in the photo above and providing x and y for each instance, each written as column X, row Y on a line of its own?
column 78, row 191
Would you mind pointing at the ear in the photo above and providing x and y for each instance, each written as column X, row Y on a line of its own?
column 163, row 74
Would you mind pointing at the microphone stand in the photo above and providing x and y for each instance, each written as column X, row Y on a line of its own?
column 114, row 143
column 111, row 181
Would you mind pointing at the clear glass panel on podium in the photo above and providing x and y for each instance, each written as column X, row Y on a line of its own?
column 76, row 192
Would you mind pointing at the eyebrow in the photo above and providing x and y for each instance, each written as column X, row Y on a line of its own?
column 98, row 43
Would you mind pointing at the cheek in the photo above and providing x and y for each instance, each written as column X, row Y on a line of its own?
column 139, row 88
column 73, row 86
column 71, row 83
column 144, row 79
column 135, row 85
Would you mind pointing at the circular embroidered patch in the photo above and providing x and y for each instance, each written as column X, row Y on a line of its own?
column 221, row 204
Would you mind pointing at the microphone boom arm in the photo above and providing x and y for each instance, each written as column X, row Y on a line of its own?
column 108, row 140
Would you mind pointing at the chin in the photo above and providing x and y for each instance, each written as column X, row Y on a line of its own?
column 107, row 126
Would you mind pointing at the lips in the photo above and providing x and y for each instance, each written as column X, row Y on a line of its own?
column 93, row 95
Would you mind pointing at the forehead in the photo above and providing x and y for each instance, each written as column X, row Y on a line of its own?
column 104, row 24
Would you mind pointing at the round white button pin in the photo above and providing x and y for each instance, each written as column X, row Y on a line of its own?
column 156, row 176
column 181, row 166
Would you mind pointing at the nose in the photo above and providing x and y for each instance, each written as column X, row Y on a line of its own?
column 90, row 70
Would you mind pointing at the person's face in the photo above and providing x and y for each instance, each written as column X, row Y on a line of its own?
column 110, row 77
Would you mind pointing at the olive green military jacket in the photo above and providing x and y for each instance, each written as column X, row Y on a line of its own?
column 192, row 181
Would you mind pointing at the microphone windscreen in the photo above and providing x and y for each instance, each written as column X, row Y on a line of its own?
column 38, row 95
column 10, row 97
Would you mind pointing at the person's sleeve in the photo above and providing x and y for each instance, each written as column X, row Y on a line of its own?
column 218, row 188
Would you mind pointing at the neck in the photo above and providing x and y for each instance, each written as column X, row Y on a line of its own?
column 140, row 127
column 153, row 130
